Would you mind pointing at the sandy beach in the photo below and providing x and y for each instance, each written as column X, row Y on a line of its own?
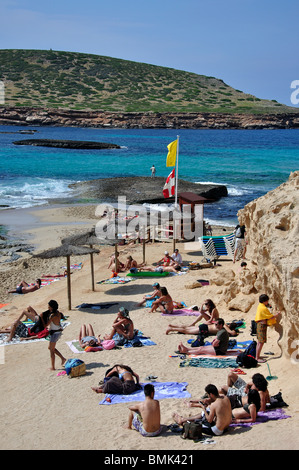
column 41, row 410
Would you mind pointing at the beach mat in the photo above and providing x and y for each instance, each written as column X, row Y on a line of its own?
column 148, row 274
column 265, row 416
column 162, row 390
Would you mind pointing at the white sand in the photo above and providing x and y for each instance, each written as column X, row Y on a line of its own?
column 40, row 410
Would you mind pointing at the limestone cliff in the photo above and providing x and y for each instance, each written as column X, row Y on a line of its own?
column 272, row 224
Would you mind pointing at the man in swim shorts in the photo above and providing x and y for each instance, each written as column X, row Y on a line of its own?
column 145, row 416
column 215, row 419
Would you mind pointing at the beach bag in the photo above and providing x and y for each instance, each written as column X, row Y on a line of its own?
column 247, row 358
column 108, row 344
column 75, row 367
column 192, row 430
column 203, row 333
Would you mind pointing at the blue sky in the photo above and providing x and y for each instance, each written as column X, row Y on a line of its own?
column 251, row 45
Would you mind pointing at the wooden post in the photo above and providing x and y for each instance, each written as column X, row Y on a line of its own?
column 92, row 270
column 68, row 268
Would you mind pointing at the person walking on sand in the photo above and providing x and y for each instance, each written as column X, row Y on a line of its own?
column 55, row 332
column 145, row 416
column 215, row 420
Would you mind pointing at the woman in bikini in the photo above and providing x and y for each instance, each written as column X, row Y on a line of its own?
column 55, row 332
column 164, row 303
column 123, row 325
column 120, row 380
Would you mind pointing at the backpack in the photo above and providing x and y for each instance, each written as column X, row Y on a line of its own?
column 203, row 333
column 253, row 328
column 192, row 430
column 238, row 232
column 247, row 358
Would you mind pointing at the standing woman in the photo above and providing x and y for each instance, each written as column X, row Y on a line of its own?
column 55, row 331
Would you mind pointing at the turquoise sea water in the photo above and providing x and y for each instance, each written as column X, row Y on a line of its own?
column 249, row 163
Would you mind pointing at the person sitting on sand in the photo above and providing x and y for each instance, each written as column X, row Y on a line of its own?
column 176, row 258
column 208, row 312
column 119, row 380
column 236, row 386
column 112, row 264
column 87, row 337
column 166, row 260
column 25, row 288
column 19, row 329
column 164, row 303
column 214, row 420
column 145, row 416
column 210, row 329
column 154, row 296
column 122, row 325
column 132, row 265
column 218, row 347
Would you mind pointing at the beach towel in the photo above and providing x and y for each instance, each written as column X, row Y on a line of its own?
column 116, row 280
column 264, row 416
column 209, row 362
column 73, row 266
column 182, row 312
column 162, row 390
column 17, row 340
column 3, row 305
column 97, row 306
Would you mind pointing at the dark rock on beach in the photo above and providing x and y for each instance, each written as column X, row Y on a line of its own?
column 141, row 189
column 67, row 144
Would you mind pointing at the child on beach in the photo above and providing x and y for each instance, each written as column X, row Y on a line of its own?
column 145, row 416
column 154, row 296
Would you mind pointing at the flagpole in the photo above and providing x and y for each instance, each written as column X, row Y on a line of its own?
column 176, row 172
column 176, row 191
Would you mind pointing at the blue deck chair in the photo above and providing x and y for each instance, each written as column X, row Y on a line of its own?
column 214, row 247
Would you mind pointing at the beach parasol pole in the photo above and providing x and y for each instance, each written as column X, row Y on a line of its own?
column 68, row 269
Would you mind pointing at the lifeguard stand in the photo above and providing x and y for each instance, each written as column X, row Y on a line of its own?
column 193, row 200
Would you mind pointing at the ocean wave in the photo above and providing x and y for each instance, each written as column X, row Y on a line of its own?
column 21, row 194
column 235, row 191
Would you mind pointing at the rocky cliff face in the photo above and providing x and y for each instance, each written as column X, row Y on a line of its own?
column 59, row 117
column 272, row 223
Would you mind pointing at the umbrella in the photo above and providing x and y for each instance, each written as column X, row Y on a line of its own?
column 67, row 251
column 87, row 238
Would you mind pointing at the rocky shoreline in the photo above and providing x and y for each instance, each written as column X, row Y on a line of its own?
column 26, row 116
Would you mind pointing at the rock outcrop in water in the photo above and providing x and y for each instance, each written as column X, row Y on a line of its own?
column 23, row 116
column 67, row 144
column 140, row 189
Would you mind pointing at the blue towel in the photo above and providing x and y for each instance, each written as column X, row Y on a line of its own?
column 162, row 390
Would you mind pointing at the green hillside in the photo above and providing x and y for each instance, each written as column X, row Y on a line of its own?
column 53, row 79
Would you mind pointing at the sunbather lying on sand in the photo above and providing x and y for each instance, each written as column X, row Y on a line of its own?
column 25, row 288
column 195, row 330
column 217, row 348
column 87, row 337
